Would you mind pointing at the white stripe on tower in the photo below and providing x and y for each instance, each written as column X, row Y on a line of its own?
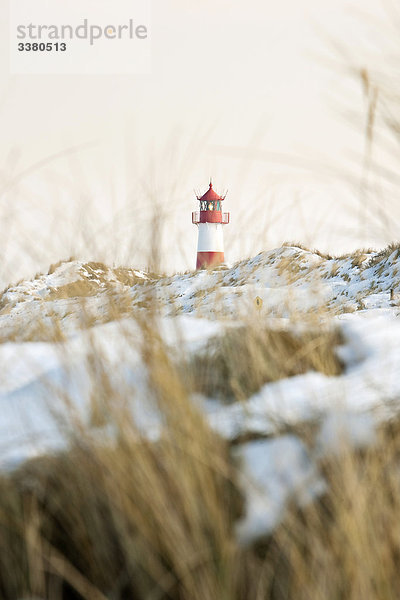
column 211, row 237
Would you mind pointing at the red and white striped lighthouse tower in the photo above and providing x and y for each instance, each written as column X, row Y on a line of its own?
column 209, row 220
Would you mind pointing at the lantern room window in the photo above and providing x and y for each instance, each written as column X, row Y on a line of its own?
column 212, row 205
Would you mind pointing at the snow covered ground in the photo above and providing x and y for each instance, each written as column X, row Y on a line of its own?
column 46, row 383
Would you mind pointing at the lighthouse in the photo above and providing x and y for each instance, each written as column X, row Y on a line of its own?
column 210, row 219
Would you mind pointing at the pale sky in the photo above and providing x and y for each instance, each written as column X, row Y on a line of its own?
column 250, row 93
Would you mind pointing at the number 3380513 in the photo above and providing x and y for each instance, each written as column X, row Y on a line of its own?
column 42, row 47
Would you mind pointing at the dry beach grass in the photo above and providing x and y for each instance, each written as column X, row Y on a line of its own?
column 133, row 518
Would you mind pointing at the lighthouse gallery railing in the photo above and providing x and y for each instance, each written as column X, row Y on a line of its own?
column 196, row 218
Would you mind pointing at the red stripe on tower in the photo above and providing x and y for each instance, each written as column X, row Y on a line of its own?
column 210, row 220
column 208, row 259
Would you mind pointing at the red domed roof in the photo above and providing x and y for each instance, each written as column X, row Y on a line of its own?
column 210, row 195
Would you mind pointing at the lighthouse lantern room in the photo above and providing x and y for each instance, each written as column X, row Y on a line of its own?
column 210, row 220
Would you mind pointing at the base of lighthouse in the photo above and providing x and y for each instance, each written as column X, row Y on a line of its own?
column 209, row 259
column 210, row 247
